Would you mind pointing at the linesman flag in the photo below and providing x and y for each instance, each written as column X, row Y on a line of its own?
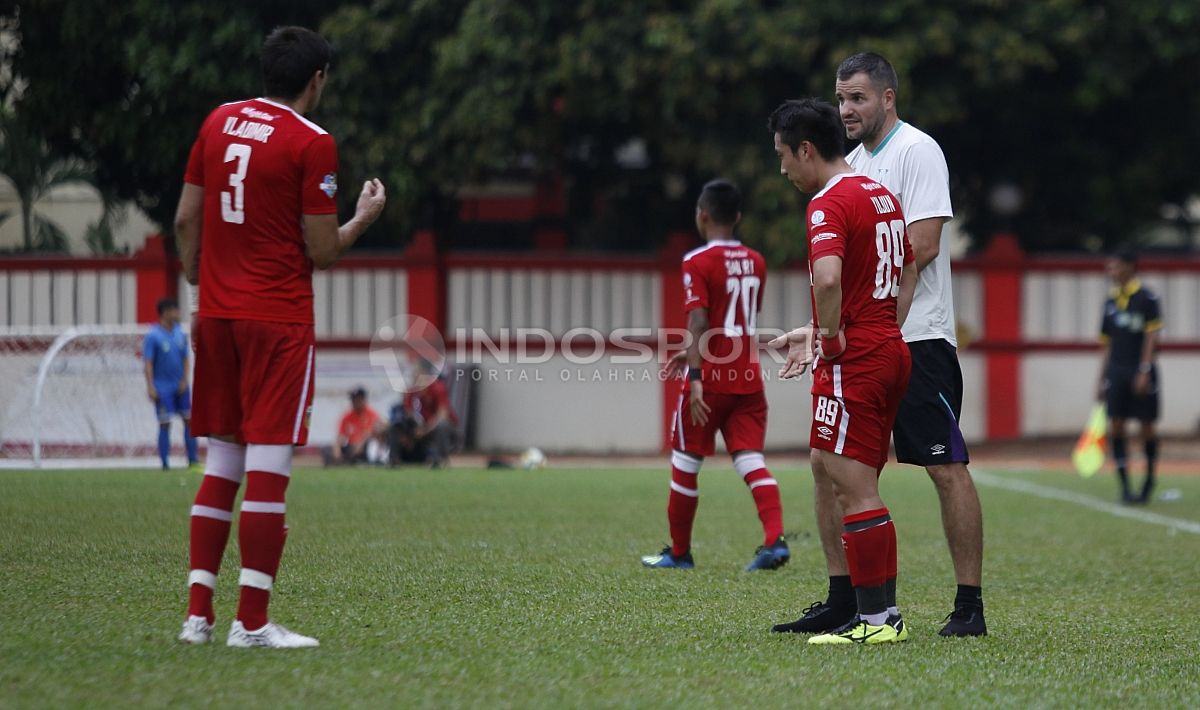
column 1088, row 455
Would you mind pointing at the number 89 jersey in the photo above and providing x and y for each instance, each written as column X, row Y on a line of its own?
column 727, row 278
column 262, row 166
column 859, row 220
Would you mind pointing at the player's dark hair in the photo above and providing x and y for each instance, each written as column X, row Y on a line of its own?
column 290, row 56
column 166, row 304
column 813, row 120
column 722, row 201
column 877, row 69
column 1126, row 255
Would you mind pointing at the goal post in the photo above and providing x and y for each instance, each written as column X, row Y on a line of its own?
column 75, row 397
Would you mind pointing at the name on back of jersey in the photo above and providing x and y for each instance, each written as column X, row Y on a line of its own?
column 739, row 267
column 247, row 129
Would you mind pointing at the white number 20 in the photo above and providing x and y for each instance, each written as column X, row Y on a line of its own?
column 889, row 244
column 743, row 293
column 233, row 205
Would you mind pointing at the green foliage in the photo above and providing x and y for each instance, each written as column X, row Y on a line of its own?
column 473, row 588
column 1086, row 106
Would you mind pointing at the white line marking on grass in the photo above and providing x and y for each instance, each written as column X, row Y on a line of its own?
column 1086, row 501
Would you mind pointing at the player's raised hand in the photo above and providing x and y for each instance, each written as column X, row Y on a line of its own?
column 675, row 366
column 801, row 354
column 370, row 201
column 698, row 408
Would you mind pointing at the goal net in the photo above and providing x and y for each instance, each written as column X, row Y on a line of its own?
column 76, row 397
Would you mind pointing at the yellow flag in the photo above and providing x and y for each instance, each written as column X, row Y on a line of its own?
column 1088, row 455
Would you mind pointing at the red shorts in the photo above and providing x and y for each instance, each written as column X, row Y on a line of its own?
column 254, row 380
column 855, row 402
column 741, row 419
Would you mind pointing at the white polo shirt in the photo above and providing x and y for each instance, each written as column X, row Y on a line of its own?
column 911, row 164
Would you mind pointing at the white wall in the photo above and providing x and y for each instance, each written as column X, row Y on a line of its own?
column 1058, row 390
column 73, row 207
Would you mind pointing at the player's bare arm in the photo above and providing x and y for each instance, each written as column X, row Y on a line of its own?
column 801, row 351
column 1141, row 382
column 697, row 326
column 908, row 287
column 926, row 238
column 827, row 292
column 189, row 215
column 327, row 241
column 150, row 391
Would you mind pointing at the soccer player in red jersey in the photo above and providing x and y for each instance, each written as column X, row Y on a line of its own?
column 723, row 392
column 861, row 293
column 257, row 213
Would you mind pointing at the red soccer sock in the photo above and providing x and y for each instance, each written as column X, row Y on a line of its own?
column 212, row 515
column 681, row 505
column 752, row 467
column 869, row 540
column 261, row 534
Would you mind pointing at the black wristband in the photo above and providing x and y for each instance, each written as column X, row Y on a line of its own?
column 695, row 374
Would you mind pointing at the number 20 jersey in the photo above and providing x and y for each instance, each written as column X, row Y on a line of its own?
column 859, row 220
column 262, row 167
column 727, row 278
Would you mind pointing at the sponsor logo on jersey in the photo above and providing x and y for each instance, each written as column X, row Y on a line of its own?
column 260, row 115
column 823, row 236
column 824, row 376
column 818, row 217
column 825, row 432
column 329, row 185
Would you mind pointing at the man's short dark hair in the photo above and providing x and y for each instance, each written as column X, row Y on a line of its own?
column 1126, row 255
column 166, row 304
column 358, row 393
column 722, row 201
column 290, row 56
column 813, row 120
column 877, row 69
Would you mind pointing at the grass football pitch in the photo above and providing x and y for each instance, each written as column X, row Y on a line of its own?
column 491, row 589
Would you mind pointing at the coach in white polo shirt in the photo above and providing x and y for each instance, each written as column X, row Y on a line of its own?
column 910, row 164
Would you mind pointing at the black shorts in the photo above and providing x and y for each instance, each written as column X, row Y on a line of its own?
column 926, row 432
column 1122, row 403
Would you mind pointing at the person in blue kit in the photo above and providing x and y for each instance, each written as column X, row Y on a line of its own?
column 166, row 355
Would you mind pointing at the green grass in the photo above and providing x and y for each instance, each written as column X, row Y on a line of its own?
column 470, row 588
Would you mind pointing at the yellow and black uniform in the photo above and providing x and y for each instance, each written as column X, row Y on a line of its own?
column 1130, row 312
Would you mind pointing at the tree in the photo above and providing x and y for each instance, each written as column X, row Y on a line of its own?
column 34, row 171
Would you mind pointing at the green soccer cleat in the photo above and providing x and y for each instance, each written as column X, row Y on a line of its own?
column 859, row 631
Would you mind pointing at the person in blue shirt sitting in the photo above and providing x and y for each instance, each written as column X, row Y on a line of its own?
column 166, row 355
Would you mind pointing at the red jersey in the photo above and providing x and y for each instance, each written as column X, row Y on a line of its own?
column 727, row 278
column 262, row 167
column 859, row 220
column 356, row 428
column 428, row 402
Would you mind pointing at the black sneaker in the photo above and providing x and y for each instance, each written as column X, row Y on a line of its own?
column 818, row 617
column 965, row 621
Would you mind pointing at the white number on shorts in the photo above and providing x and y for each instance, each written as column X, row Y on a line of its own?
column 743, row 296
column 889, row 244
column 827, row 411
column 233, row 205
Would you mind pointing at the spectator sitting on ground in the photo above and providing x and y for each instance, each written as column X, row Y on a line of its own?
column 425, row 426
column 360, row 427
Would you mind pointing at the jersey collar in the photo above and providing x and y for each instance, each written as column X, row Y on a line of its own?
column 832, row 181
column 886, row 139
column 1122, row 294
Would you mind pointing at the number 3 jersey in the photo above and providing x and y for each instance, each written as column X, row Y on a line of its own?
column 859, row 220
column 727, row 278
column 262, row 167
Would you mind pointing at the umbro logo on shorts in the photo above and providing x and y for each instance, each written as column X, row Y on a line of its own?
column 937, row 449
column 825, row 432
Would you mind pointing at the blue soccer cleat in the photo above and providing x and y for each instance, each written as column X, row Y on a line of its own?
column 665, row 560
column 771, row 556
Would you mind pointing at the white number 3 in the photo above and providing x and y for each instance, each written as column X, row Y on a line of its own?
column 233, row 205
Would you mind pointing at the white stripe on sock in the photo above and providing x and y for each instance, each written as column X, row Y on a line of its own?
column 689, row 492
column 271, row 458
column 748, row 462
column 202, row 576
column 764, row 482
column 685, row 463
column 256, row 579
column 204, row 511
column 258, row 506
